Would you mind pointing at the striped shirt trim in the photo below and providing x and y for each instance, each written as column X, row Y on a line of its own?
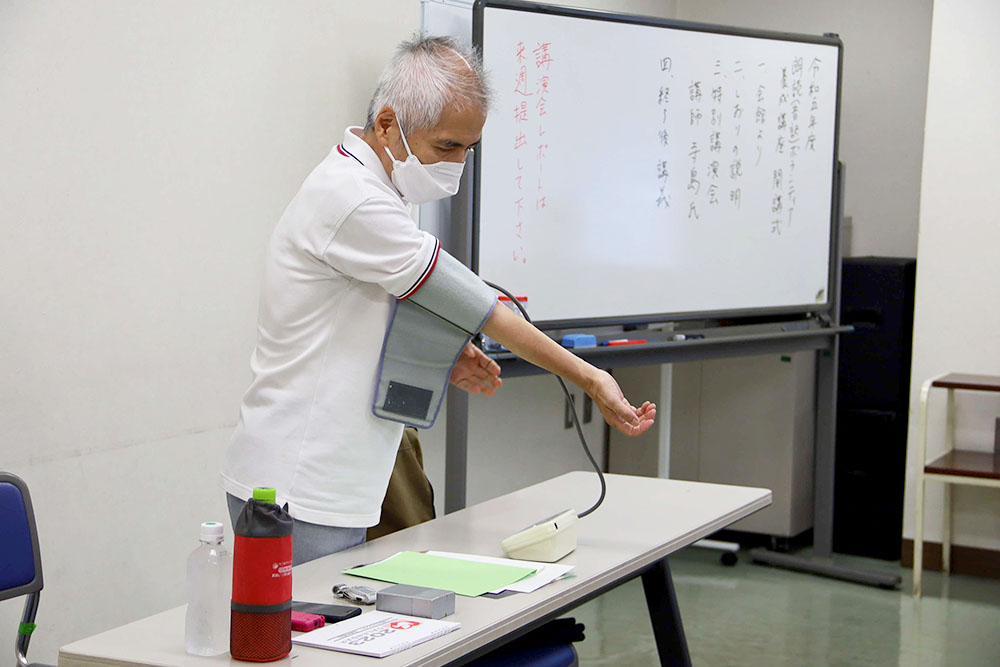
column 346, row 153
column 423, row 276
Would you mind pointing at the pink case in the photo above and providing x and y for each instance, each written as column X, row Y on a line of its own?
column 304, row 622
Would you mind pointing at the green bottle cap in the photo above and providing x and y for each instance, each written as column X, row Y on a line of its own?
column 264, row 493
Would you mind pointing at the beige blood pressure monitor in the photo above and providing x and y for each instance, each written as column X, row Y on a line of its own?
column 546, row 541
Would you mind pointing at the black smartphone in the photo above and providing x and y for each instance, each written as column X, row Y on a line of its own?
column 331, row 612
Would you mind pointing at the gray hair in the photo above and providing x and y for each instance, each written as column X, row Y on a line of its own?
column 424, row 75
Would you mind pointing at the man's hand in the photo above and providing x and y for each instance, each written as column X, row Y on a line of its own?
column 616, row 410
column 475, row 372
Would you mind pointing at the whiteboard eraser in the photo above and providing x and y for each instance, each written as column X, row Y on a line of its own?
column 579, row 340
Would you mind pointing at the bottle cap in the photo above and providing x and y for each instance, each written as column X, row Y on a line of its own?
column 264, row 493
column 211, row 531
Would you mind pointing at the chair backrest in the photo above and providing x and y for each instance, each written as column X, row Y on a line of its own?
column 20, row 559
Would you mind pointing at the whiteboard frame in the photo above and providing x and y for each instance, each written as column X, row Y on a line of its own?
column 828, row 39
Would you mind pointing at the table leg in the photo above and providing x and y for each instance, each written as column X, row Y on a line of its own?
column 665, row 615
column 946, row 530
column 949, row 444
column 918, row 536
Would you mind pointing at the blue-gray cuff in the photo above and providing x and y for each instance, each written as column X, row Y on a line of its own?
column 425, row 337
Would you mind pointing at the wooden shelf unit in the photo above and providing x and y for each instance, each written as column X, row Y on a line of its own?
column 955, row 466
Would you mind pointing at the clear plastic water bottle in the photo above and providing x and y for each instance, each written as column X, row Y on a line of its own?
column 209, row 587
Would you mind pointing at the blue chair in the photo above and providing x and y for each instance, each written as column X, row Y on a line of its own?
column 550, row 645
column 547, row 656
column 20, row 560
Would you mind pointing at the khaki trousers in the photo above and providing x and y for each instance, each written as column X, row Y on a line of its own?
column 409, row 500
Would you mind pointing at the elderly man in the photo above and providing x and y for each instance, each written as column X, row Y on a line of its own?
column 343, row 252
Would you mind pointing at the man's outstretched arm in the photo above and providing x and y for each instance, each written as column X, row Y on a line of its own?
column 523, row 339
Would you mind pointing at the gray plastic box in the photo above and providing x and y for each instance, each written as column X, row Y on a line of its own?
column 416, row 601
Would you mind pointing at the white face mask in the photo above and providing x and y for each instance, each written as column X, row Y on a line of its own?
column 420, row 183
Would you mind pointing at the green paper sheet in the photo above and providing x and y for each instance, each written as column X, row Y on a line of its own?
column 451, row 574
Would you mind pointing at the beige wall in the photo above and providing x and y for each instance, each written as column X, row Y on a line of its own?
column 148, row 150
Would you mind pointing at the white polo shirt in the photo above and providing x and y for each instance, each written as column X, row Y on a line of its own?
column 343, row 250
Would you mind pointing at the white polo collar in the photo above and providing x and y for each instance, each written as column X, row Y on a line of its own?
column 356, row 147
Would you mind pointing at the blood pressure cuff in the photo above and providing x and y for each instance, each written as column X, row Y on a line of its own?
column 426, row 335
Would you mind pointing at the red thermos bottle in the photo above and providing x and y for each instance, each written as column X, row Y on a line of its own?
column 261, row 617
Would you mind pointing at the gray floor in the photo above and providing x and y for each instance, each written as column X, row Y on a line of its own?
column 757, row 615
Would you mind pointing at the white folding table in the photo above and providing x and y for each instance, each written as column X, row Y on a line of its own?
column 641, row 522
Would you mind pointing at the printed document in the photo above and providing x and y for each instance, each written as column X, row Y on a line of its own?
column 376, row 634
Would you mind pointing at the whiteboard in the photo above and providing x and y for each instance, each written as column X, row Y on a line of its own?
column 634, row 168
